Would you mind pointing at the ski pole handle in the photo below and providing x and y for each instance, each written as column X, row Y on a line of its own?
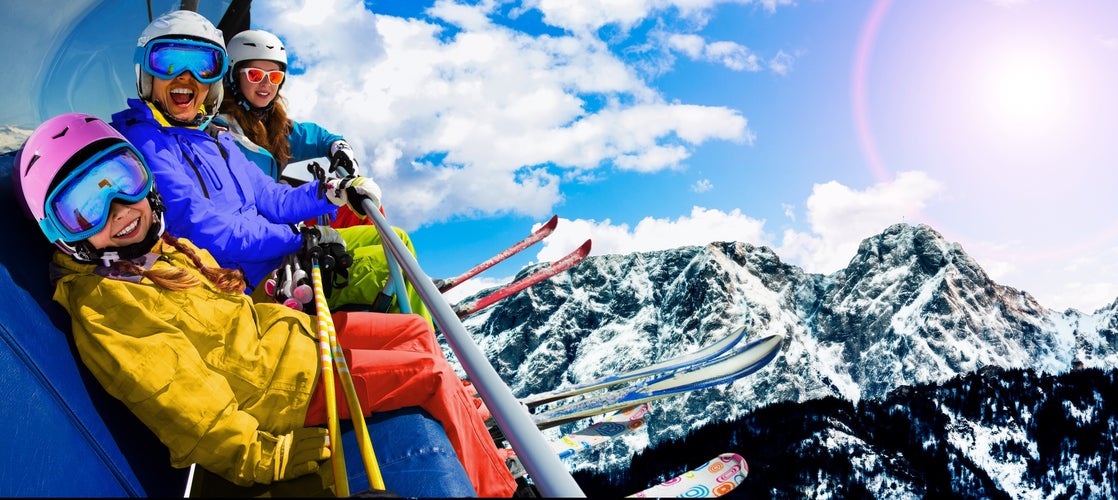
column 270, row 283
column 302, row 290
column 288, row 283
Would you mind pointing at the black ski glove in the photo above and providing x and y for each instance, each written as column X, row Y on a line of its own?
column 341, row 156
column 324, row 245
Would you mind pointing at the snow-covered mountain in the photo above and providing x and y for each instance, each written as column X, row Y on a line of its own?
column 909, row 309
column 11, row 138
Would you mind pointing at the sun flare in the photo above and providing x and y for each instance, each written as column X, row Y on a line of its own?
column 1023, row 91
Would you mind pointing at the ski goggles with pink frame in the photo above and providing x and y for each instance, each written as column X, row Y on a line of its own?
column 166, row 59
column 79, row 206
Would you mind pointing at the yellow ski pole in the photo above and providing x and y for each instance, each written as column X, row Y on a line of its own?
column 325, row 354
column 364, row 442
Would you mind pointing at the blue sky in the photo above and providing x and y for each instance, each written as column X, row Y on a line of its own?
column 805, row 126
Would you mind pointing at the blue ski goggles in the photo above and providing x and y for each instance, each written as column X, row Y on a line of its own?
column 166, row 59
column 79, row 206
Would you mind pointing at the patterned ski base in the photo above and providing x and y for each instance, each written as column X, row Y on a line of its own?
column 612, row 426
column 714, row 479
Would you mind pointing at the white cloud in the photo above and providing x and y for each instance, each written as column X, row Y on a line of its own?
column 702, row 186
column 472, row 286
column 1079, row 279
column 488, row 120
column 326, row 34
column 728, row 54
column 781, row 63
column 789, row 211
column 690, row 45
column 590, row 15
column 841, row 217
column 701, row 227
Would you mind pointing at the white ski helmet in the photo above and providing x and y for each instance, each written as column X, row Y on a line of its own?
column 253, row 45
column 256, row 45
column 180, row 25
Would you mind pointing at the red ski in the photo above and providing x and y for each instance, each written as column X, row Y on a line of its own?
column 466, row 309
column 532, row 239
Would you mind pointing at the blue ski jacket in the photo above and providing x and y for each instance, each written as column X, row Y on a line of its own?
column 218, row 198
column 307, row 139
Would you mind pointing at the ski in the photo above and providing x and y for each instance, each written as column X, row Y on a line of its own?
column 532, row 239
column 713, row 479
column 466, row 309
column 610, row 427
column 736, row 364
column 710, row 352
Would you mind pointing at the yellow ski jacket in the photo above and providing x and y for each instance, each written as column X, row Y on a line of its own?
column 215, row 376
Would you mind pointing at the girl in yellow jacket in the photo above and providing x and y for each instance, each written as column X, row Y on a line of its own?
column 223, row 382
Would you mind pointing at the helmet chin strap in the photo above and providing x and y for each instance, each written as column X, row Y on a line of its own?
column 86, row 252
column 107, row 258
column 141, row 248
column 243, row 101
column 239, row 98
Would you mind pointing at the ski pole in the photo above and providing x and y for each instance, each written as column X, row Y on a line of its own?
column 394, row 285
column 396, row 282
column 548, row 472
column 383, row 301
column 341, row 479
column 364, row 442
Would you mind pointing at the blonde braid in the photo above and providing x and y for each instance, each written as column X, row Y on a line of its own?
column 170, row 278
column 177, row 279
column 226, row 280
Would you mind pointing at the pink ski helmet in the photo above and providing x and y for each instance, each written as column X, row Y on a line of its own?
column 60, row 147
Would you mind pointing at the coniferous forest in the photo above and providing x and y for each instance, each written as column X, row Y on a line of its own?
column 990, row 434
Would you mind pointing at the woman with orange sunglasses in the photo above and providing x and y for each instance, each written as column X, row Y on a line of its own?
column 255, row 114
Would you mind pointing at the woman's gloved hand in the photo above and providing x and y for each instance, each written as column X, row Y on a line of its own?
column 351, row 191
column 320, row 236
column 324, row 245
column 341, row 155
column 294, row 454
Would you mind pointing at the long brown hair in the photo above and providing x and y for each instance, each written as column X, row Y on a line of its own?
column 174, row 278
column 270, row 130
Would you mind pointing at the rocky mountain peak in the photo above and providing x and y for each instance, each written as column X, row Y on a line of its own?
column 910, row 308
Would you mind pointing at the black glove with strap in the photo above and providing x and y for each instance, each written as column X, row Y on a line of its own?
column 324, row 245
column 352, row 190
column 342, row 157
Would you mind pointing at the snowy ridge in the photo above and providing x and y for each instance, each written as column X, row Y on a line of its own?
column 909, row 309
column 11, row 138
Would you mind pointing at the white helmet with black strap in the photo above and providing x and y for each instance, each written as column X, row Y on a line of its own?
column 185, row 25
column 253, row 45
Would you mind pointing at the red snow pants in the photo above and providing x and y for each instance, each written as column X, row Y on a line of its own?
column 396, row 362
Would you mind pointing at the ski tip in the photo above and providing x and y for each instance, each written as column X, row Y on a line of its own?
column 550, row 224
column 734, row 458
column 772, row 342
column 715, row 478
